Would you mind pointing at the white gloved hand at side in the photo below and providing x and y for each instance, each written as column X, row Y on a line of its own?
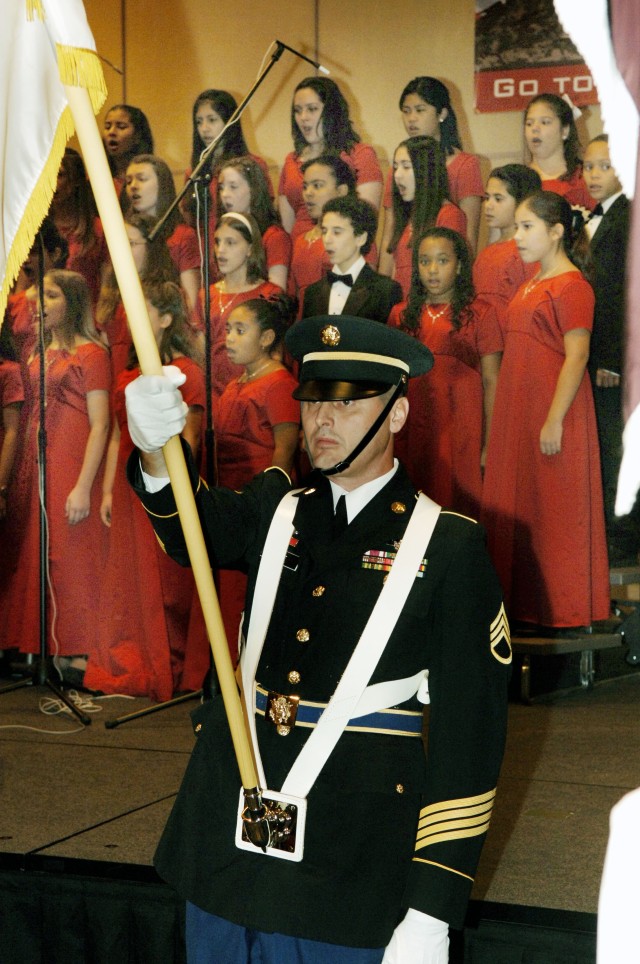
column 155, row 408
column 418, row 939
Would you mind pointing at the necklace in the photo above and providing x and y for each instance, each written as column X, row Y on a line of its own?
column 249, row 375
column 528, row 288
column 223, row 308
column 438, row 314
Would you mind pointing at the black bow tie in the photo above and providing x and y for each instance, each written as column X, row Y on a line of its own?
column 346, row 279
column 597, row 212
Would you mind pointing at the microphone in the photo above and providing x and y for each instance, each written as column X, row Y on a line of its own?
column 323, row 70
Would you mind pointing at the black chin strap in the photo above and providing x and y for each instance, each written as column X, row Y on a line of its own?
column 364, row 441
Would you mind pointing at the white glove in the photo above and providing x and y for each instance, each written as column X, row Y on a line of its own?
column 418, row 939
column 155, row 408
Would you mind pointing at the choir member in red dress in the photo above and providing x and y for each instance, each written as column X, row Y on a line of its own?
column 21, row 314
column 427, row 110
column 11, row 400
column 320, row 124
column 554, row 148
column 243, row 187
column 542, row 490
column 256, row 419
column 77, row 385
column 498, row 271
column 154, row 264
column 420, row 201
column 21, row 325
column 145, row 598
column 74, row 214
column 125, row 132
column 443, row 445
column 323, row 179
column 242, row 268
column 211, row 111
column 11, row 403
column 149, row 189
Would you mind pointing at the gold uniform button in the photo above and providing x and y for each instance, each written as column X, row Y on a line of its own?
column 294, row 676
column 318, row 591
column 399, row 788
column 398, row 507
column 303, row 635
column 283, row 730
column 198, row 727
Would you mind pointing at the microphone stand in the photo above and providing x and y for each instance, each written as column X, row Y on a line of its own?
column 203, row 186
column 38, row 670
column 198, row 181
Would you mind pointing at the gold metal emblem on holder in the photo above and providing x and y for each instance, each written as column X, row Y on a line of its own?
column 281, row 711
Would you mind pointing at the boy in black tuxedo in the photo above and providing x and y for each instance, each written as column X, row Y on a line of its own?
column 352, row 287
column 608, row 229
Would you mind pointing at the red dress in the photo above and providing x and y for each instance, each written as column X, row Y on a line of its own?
column 88, row 260
column 145, row 597
column 222, row 304
column 246, row 415
column 309, row 262
column 277, row 246
column 119, row 338
column 22, row 318
column 544, row 513
column 449, row 216
column 183, row 248
column 361, row 159
column 441, row 443
column 76, row 552
column 11, row 393
column 574, row 189
column 11, row 389
column 498, row 272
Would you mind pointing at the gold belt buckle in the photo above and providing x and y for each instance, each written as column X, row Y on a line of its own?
column 281, row 711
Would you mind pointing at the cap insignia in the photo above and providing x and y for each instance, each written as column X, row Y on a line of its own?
column 330, row 336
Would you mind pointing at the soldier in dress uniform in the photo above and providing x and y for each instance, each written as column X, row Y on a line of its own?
column 393, row 834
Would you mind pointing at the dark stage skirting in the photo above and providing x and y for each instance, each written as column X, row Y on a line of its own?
column 81, row 811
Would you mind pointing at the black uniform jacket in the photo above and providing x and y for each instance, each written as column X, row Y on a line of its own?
column 387, row 827
column 608, row 250
column 372, row 296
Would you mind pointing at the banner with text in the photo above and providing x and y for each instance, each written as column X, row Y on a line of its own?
column 522, row 51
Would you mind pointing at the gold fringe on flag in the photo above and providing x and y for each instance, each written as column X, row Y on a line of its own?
column 37, row 207
column 34, row 9
column 79, row 67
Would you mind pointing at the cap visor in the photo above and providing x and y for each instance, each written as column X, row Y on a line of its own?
column 337, row 391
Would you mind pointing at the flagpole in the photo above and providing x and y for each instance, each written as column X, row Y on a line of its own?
column 150, row 364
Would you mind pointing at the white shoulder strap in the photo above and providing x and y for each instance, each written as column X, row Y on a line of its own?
column 367, row 653
column 264, row 596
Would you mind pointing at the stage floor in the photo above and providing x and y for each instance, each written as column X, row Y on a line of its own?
column 94, row 800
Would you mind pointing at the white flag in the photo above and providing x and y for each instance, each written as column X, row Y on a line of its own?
column 44, row 44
